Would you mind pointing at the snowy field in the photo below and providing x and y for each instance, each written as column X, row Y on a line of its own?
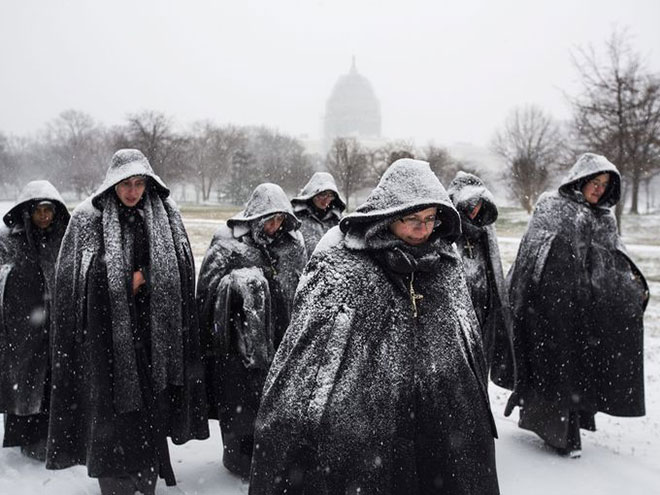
column 623, row 456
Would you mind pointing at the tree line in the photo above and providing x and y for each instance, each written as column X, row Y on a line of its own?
column 615, row 113
column 224, row 163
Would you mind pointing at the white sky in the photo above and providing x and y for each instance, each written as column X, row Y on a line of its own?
column 443, row 71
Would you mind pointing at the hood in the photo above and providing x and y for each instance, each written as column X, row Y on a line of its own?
column 407, row 185
column 465, row 191
column 127, row 163
column 320, row 181
column 33, row 193
column 266, row 199
column 587, row 166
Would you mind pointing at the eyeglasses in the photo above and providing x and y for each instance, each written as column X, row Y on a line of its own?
column 326, row 195
column 415, row 223
column 277, row 217
column 596, row 184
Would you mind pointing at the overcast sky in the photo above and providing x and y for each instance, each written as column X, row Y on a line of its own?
column 443, row 71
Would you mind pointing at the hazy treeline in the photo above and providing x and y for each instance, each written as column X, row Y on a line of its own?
column 615, row 112
column 223, row 162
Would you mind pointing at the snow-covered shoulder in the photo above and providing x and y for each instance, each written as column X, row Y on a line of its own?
column 331, row 238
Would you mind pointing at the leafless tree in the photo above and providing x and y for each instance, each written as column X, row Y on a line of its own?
column 77, row 150
column 153, row 133
column 443, row 164
column 8, row 166
column 243, row 177
column 279, row 158
column 347, row 162
column 378, row 159
column 617, row 112
column 266, row 155
column 531, row 145
column 211, row 152
column 23, row 159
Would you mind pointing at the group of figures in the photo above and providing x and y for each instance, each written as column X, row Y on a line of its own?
column 340, row 354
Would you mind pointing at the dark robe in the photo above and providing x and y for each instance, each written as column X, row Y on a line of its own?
column 96, row 418
column 314, row 222
column 480, row 253
column 245, row 295
column 27, row 278
column 375, row 389
column 577, row 302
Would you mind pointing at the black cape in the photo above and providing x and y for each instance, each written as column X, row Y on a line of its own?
column 27, row 279
column 362, row 395
column 480, row 253
column 577, row 301
column 245, row 295
column 314, row 223
column 90, row 423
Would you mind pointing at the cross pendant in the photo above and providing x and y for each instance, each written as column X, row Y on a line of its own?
column 414, row 297
column 469, row 248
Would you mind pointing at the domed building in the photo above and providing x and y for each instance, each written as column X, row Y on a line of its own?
column 352, row 109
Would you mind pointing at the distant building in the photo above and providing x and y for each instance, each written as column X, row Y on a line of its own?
column 352, row 110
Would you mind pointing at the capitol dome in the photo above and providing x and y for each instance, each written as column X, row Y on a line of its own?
column 352, row 109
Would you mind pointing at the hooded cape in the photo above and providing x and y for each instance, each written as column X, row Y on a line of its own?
column 577, row 302
column 314, row 223
column 94, row 420
column 27, row 278
column 245, row 295
column 362, row 396
column 480, row 253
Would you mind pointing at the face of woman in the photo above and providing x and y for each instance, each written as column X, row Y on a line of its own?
column 594, row 189
column 415, row 228
column 323, row 199
column 130, row 191
column 43, row 216
column 273, row 224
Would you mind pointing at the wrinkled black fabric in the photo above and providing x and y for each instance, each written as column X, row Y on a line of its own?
column 166, row 326
column 86, row 427
column 245, row 296
column 27, row 279
column 364, row 397
column 315, row 222
column 480, row 253
column 314, row 225
column 577, row 302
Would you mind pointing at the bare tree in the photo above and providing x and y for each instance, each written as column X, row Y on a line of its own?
column 531, row 145
column 617, row 112
column 23, row 159
column 243, row 177
column 152, row 133
column 279, row 158
column 443, row 164
column 266, row 155
column 77, row 150
column 378, row 159
column 211, row 153
column 8, row 165
column 347, row 162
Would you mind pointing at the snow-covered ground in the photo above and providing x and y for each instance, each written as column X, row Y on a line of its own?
column 623, row 456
